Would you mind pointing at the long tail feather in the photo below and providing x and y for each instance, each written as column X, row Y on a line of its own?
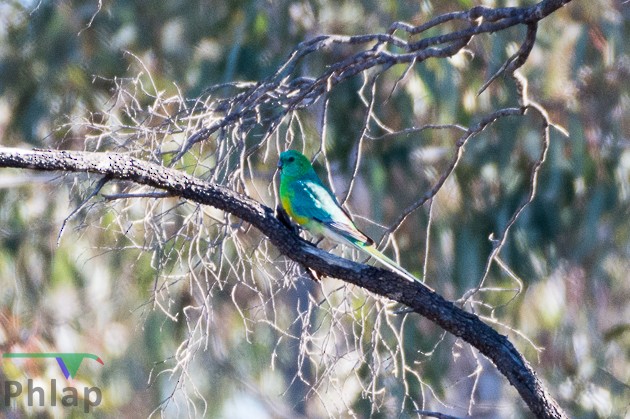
column 341, row 236
column 376, row 254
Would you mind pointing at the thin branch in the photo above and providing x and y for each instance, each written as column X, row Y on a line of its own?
column 518, row 58
column 95, row 191
column 438, row 415
column 498, row 243
column 112, row 197
column 284, row 94
column 459, row 150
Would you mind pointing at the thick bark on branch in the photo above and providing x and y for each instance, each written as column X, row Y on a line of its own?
column 420, row 299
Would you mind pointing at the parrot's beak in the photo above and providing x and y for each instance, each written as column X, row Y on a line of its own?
column 280, row 165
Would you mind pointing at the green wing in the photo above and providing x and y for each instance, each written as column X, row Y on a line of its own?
column 314, row 201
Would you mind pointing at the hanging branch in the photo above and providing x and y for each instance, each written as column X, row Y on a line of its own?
column 285, row 94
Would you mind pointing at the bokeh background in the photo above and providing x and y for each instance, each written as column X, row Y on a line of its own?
column 93, row 289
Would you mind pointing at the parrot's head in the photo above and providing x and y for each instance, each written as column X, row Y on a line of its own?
column 294, row 164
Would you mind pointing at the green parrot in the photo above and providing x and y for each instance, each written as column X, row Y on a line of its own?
column 314, row 207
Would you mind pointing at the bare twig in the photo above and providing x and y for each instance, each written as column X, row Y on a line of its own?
column 156, row 195
column 285, row 94
column 438, row 415
column 99, row 185
column 459, row 149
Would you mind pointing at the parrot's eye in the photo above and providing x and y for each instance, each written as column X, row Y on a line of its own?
column 291, row 159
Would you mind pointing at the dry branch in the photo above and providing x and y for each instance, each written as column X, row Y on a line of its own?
column 286, row 94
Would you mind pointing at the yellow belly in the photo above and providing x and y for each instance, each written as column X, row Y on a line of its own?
column 286, row 204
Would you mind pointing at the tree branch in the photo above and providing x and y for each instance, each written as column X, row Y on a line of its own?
column 420, row 299
column 285, row 93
